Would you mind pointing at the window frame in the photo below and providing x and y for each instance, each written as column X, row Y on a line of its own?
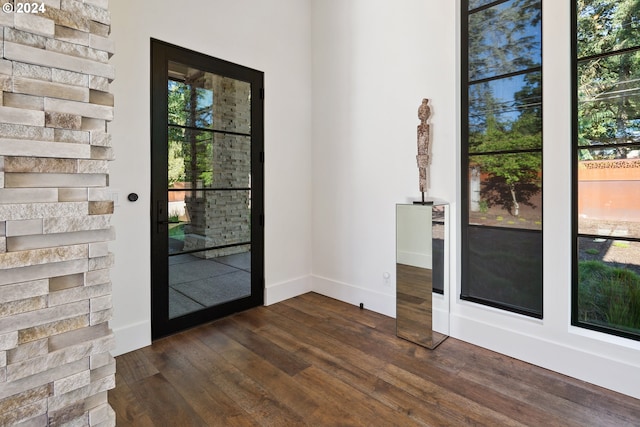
column 575, row 147
column 466, row 154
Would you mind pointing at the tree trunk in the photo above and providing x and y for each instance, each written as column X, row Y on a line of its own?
column 516, row 206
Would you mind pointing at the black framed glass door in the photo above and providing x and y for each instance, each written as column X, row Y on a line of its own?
column 207, row 188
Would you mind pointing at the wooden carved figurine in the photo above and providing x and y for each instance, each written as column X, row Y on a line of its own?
column 423, row 157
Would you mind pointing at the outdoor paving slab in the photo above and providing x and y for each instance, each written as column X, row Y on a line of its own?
column 241, row 261
column 196, row 270
column 219, row 289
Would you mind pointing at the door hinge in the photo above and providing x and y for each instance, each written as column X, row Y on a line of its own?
column 262, row 220
column 261, row 93
column 262, row 157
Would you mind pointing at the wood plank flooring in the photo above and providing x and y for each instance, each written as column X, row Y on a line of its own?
column 315, row 361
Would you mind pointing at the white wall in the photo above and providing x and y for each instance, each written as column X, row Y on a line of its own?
column 272, row 36
column 372, row 64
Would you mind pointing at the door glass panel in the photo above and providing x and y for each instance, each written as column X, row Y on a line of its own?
column 206, row 100
column 208, row 160
column 209, row 189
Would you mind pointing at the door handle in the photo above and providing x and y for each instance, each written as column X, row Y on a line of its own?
column 161, row 215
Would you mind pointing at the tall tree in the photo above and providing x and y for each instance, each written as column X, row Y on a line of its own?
column 608, row 87
column 505, row 113
column 190, row 149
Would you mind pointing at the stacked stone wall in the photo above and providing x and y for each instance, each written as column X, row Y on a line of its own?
column 55, row 210
column 221, row 218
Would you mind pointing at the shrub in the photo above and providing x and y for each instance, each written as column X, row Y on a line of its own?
column 608, row 296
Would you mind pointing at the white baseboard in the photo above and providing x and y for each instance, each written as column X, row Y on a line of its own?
column 285, row 290
column 138, row 335
column 610, row 373
column 414, row 258
column 132, row 337
column 440, row 322
column 375, row 301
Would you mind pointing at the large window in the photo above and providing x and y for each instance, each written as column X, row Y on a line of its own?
column 502, row 154
column 606, row 270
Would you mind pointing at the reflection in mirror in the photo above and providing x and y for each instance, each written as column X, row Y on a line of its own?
column 422, row 309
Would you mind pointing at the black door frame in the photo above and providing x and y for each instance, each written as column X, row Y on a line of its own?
column 161, row 54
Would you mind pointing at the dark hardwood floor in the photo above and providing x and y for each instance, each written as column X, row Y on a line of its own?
column 316, row 361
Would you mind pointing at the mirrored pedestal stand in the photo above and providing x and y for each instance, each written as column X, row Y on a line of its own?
column 422, row 309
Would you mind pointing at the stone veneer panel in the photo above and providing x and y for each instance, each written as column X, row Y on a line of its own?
column 55, row 287
column 219, row 218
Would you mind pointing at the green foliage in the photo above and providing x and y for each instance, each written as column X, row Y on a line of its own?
column 513, row 168
column 514, row 178
column 608, row 296
column 607, row 25
column 505, row 114
column 174, row 216
column 592, row 251
column 176, row 172
column 520, row 172
column 607, row 109
column 497, row 27
column 177, row 101
column 190, row 155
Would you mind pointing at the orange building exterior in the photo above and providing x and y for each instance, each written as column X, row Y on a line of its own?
column 609, row 189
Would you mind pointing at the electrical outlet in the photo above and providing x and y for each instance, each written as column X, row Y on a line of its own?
column 386, row 278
